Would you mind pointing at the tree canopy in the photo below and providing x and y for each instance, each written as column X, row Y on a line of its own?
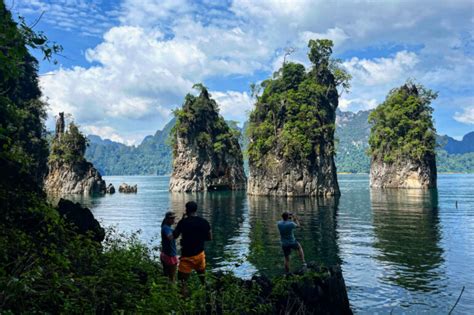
column 402, row 126
column 294, row 116
column 70, row 147
column 199, row 120
column 22, row 113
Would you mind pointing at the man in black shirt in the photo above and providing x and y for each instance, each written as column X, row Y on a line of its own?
column 194, row 232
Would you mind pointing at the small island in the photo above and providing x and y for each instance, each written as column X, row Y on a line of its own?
column 206, row 151
column 291, row 130
column 403, row 140
column 68, row 170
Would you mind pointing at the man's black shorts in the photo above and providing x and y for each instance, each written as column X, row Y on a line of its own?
column 287, row 248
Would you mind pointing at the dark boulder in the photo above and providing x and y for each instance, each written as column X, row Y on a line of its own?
column 110, row 189
column 81, row 218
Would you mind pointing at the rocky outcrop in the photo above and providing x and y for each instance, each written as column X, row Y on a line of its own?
column 403, row 174
column 81, row 218
column 291, row 130
column 125, row 188
column 201, row 171
column 80, row 178
column 320, row 291
column 403, row 139
column 68, row 171
column 279, row 177
column 110, row 189
column 206, row 151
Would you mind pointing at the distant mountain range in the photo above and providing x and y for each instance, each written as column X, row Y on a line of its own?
column 153, row 156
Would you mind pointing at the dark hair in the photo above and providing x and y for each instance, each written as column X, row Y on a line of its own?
column 285, row 215
column 168, row 215
column 191, row 207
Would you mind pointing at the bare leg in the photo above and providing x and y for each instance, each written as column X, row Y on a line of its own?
column 287, row 264
column 183, row 281
column 301, row 253
column 172, row 272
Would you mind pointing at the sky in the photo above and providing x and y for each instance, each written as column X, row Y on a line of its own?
column 127, row 64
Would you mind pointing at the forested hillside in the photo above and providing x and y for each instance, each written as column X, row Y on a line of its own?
column 153, row 155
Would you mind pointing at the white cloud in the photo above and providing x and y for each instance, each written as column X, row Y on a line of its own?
column 233, row 105
column 84, row 17
column 144, row 67
column 107, row 132
column 466, row 117
column 381, row 71
column 372, row 79
column 150, row 12
column 356, row 104
column 337, row 35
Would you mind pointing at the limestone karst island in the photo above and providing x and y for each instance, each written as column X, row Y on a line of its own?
column 236, row 157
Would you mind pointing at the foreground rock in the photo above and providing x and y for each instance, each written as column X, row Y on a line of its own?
column 68, row 171
column 81, row 218
column 206, row 151
column 317, row 291
column 403, row 140
column 291, row 129
column 125, row 188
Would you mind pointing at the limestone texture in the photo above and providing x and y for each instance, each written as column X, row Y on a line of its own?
column 80, row 178
column 68, row 170
column 403, row 174
column 206, row 152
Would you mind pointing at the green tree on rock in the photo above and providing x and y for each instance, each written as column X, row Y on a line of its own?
column 70, row 147
column 206, row 151
column 402, row 126
column 199, row 120
column 295, row 114
column 294, row 118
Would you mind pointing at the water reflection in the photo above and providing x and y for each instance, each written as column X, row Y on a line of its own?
column 407, row 231
column 318, row 234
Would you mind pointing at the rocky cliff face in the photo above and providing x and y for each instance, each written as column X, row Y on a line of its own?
column 206, row 152
column 278, row 177
column 407, row 174
column 80, row 178
column 195, row 171
column 68, row 171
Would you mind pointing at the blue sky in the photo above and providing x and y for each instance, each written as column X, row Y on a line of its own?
column 128, row 63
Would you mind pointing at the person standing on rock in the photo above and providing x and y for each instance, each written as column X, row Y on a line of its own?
column 168, row 255
column 288, row 240
column 194, row 232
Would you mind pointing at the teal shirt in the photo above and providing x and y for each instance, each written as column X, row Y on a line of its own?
column 286, row 229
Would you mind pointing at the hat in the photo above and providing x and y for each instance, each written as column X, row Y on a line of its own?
column 170, row 214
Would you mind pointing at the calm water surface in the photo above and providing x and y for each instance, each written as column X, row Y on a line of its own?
column 400, row 251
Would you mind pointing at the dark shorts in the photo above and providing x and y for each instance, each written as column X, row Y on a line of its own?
column 287, row 248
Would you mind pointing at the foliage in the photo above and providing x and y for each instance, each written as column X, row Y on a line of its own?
column 402, row 126
column 69, row 147
column 454, row 163
column 153, row 156
column 294, row 116
column 199, row 122
column 22, row 113
column 45, row 265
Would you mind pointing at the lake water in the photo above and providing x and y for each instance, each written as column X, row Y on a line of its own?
column 405, row 251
